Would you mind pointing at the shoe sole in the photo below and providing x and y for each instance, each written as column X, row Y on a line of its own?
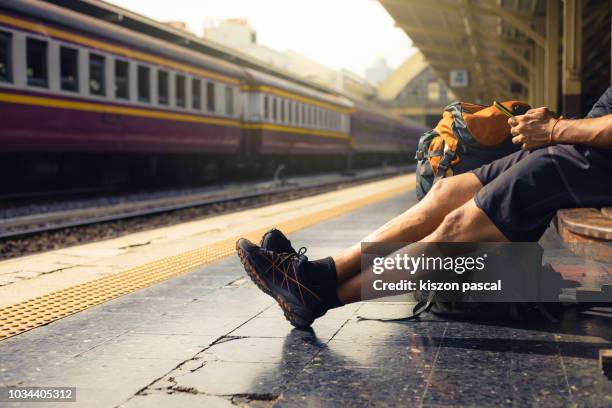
column 295, row 319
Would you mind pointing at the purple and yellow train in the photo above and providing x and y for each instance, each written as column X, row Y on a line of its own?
column 83, row 96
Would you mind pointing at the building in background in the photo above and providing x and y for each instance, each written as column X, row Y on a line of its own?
column 414, row 91
column 233, row 32
column 354, row 85
column 378, row 72
column 239, row 35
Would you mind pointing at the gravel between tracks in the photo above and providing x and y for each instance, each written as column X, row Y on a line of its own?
column 62, row 238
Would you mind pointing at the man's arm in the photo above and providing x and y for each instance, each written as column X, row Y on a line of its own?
column 539, row 127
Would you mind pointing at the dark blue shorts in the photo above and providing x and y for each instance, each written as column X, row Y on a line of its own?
column 523, row 190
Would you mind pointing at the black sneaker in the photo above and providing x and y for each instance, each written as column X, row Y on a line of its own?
column 276, row 241
column 282, row 276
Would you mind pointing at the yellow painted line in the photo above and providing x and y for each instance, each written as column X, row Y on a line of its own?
column 29, row 314
column 121, row 110
column 304, row 131
column 296, row 97
column 98, row 107
column 115, row 49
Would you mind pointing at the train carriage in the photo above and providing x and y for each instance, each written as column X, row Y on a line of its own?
column 378, row 136
column 284, row 118
column 86, row 101
column 73, row 83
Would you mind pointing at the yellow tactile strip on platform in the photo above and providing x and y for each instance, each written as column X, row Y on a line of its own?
column 23, row 316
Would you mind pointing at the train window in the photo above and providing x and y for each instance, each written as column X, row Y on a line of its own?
column 290, row 118
column 97, row 85
column 122, row 79
column 162, row 87
column 37, row 62
column 196, row 93
column 69, row 69
column 144, row 84
column 302, row 114
column 210, row 96
column 274, row 113
column 282, row 110
column 179, row 82
column 229, row 101
column 266, row 108
column 6, row 73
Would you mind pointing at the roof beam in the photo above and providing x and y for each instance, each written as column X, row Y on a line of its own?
column 450, row 50
column 510, row 73
column 414, row 29
column 446, row 5
column 512, row 53
column 517, row 22
column 473, row 41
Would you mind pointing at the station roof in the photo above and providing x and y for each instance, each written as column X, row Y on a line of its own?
column 399, row 78
column 490, row 41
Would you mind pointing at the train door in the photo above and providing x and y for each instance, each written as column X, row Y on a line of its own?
column 253, row 118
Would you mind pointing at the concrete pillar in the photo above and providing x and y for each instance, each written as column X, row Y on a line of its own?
column 540, row 78
column 572, row 57
column 551, row 55
column 531, row 92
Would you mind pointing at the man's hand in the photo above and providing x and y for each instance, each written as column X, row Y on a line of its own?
column 533, row 129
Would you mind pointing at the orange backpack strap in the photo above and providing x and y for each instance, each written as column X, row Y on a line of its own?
column 445, row 146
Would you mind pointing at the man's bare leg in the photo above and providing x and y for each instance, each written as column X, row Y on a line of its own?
column 468, row 223
column 416, row 223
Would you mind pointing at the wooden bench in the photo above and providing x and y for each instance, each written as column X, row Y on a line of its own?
column 587, row 232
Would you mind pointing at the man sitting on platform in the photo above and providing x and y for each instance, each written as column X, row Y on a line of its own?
column 562, row 164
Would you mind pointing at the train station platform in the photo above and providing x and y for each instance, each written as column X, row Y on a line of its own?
column 209, row 337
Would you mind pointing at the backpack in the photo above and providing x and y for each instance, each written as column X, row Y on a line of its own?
column 468, row 136
column 516, row 311
column 432, row 302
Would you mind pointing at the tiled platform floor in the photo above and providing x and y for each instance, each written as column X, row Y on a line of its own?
column 211, row 339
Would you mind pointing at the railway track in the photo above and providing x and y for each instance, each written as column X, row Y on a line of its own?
column 29, row 225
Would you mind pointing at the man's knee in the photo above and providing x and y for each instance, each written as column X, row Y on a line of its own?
column 467, row 223
column 462, row 187
column 441, row 189
column 452, row 225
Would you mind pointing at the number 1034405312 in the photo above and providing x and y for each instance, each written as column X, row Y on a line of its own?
column 51, row 394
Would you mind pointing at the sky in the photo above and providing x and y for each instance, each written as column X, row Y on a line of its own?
column 352, row 34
